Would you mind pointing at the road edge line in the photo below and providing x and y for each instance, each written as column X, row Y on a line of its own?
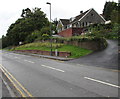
column 13, row 84
column 25, row 90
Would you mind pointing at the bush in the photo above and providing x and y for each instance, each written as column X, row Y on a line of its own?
column 30, row 38
column 108, row 31
column 45, row 30
column 41, row 44
column 78, row 38
column 45, row 36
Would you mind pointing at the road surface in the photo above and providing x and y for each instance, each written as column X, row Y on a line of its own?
column 107, row 58
column 51, row 78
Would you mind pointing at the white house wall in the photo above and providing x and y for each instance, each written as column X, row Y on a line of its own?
column 59, row 29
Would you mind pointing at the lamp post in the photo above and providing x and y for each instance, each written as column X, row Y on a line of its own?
column 50, row 29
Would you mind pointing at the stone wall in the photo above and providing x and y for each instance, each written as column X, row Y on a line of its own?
column 91, row 45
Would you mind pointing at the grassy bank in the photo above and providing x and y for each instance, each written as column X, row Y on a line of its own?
column 75, row 51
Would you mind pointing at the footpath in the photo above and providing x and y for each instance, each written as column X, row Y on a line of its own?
column 45, row 56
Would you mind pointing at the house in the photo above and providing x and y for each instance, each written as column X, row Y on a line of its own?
column 77, row 25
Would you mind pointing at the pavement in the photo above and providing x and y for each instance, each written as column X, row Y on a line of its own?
column 45, row 56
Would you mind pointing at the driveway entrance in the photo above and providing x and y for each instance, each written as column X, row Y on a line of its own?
column 107, row 58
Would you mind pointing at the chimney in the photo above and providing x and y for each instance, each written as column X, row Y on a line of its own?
column 81, row 12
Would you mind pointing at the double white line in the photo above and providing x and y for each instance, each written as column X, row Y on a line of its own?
column 23, row 92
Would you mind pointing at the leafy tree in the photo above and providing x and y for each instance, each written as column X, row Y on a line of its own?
column 30, row 38
column 26, row 13
column 45, row 30
column 4, row 41
column 108, row 8
column 45, row 36
column 115, row 16
column 0, row 43
column 31, row 20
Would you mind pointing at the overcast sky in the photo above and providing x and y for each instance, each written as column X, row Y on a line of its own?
column 10, row 10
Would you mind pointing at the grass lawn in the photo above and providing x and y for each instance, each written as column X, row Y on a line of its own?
column 75, row 51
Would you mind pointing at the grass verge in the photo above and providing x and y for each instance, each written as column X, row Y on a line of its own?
column 76, row 52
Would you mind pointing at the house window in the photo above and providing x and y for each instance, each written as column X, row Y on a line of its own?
column 68, row 26
column 83, row 24
column 92, row 14
column 86, row 24
column 74, row 25
column 90, row 23
column 65, row 27
column 80, row 24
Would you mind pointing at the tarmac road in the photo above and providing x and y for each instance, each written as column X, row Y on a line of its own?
column 51, row 78
column 107, row 58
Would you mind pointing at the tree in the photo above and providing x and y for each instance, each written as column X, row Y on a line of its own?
column 26, row 13
column 4, row 41
column 108, row 8
column 115, row 16
column 31, row 20
column 45, row 30
column 30, row 38
column 45, row 36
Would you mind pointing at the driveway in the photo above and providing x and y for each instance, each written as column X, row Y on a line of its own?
column 107, row 58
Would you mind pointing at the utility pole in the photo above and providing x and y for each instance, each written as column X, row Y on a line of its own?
column 50, row 29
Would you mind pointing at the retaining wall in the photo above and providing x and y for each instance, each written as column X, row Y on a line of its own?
column 60, row 54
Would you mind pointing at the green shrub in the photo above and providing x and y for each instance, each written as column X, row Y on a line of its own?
column 45, row 36
column 30, row 38
column 40, row 44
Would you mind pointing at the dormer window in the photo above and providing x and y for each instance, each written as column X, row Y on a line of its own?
column 71, row 19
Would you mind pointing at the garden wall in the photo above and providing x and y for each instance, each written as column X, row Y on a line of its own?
column 60, row 54
column 71, row 32
column 91, row 45
column 94, row 44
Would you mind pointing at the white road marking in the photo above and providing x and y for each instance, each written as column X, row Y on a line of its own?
column 102, row 82
column 29, row 61
column 10, row 53
column 17, row 57
column 53, row 68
